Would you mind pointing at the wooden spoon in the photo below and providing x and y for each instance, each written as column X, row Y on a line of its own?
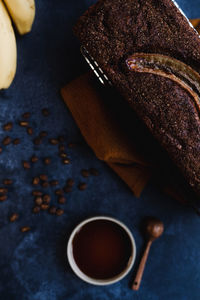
column 153, row 229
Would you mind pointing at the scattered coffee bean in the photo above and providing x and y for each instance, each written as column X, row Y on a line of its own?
column 26, row 164
column 8, row 126
column 36, row 209
column 54, row 182
column 14, row 217
column 43, row 177
column 43, row 134
column 70, row 182
column 44, row 206
column 38, row 201
column 72, row 145
column 25, row 229
column 3, row 190
column 36, row 193
column 45, row 184
column 6, row 141
column 61, row 139
column 45, row 112
column 7, row 181
column 63, row 155
column 53, row 141
column 82, row 186
column 3, row 198
column 61, row 200
column 16, row 141
column 67, row 189
column 66, row 161
column 47, row 161
column 37, row 141
column 1, row 150
column 29, row 130
column 61, row 148
column 26, row 115
column 85, row 173
column 23, row 123
column 34, row 159
column 52, row 210
column 59, row 192
column 46, row 199
column 59, row 212
column 36, row 181
column 94, row 172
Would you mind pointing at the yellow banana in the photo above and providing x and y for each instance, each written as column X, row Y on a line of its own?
column 22, row 13
column 8, row 49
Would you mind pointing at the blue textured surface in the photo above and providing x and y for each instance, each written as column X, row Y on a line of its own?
column 33, row 265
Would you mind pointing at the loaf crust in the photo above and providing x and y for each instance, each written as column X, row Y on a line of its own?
column 112, row 31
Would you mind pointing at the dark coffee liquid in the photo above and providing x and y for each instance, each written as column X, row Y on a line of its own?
column 102, row 249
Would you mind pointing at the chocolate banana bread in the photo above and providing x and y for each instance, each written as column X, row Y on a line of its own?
column 151, row 54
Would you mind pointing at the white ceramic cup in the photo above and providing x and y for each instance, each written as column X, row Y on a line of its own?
column 83, row 276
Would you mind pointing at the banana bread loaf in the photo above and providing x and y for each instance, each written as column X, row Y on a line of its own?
column 151, row 54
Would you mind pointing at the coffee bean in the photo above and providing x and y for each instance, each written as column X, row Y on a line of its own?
column 38, row 201
column 61, row 200
column 26, row 115
column 61, row 148
column 54, row 182
column 3, row 190
column 36, row 181
column 72, row 145
column 47, row 161
column 3, row 198
column 61, row 139
column 8, row 126
column 36, row 209
column 25, row 229
column 1, row 150
column 7, row 181
column 85, row 173
column 63, row 155
column 37, row 141
column 6, row 141
column 46, row 199
column 52, row 210
column 67, row 189
column 59, row 212
column 26, row 164
column 44, row 206
column 29, row 130
column 66, row 161
column 45, row 184
column 36, row 193
column 94, row 172
column 43, row 177
column 70, row 182
column 14, row 217
column 42, row 134
column 53, row 141
column 16, row 141
column 59, row 192
column 34, row 159
column 45, row 112
column 23, row 123
column 82, row 186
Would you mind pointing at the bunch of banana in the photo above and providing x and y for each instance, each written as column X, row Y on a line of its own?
column 22, row 13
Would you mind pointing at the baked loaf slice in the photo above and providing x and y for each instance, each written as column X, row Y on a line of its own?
column 151, row 54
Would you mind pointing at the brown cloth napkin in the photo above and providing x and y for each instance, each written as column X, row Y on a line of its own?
column 116, row 135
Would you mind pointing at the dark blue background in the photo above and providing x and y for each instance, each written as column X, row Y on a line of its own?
column 33, row 265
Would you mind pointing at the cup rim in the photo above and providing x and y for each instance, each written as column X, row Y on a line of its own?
column 83, row 276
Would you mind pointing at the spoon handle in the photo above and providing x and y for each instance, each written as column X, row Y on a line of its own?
column 138, row 278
